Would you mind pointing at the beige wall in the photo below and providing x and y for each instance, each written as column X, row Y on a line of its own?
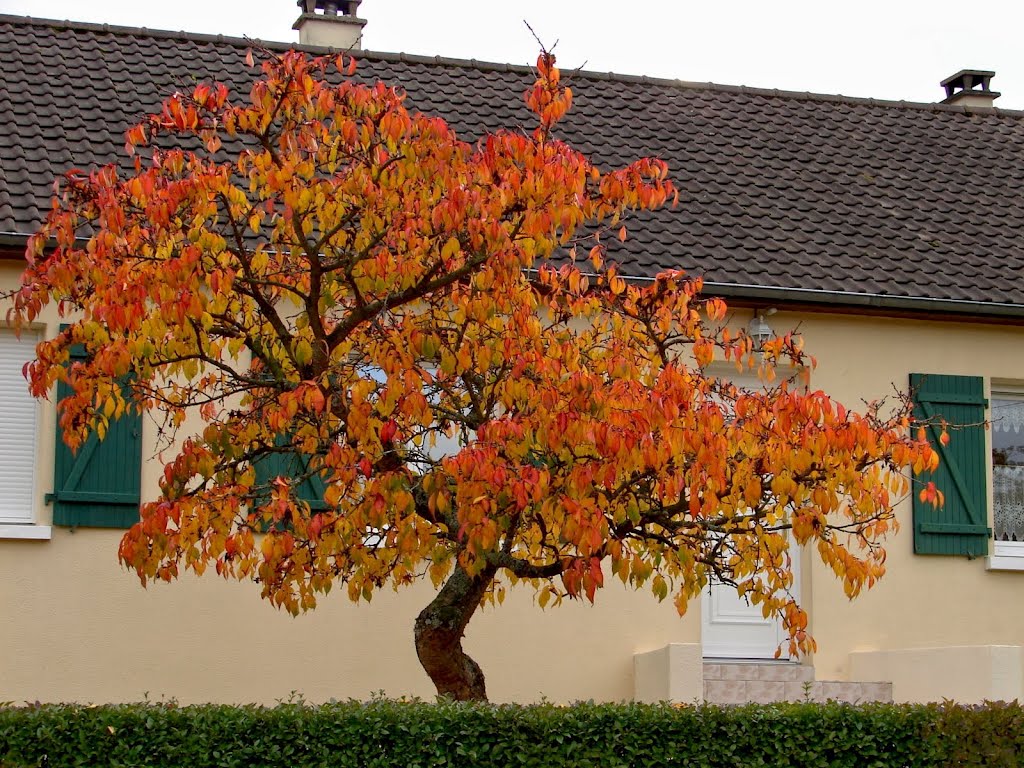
column 672, row 673
column 77, row 627
column 923, row 602
column 976, row 673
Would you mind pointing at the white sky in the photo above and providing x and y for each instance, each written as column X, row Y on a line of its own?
column 888, row 49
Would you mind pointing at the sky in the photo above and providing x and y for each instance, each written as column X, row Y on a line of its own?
column 896, row 49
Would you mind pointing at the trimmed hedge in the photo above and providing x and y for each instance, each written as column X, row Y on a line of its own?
column 392, row 734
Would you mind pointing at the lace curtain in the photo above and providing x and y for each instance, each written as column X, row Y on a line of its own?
column 1008, row 502
column 1007, row 415
column 1008, row 469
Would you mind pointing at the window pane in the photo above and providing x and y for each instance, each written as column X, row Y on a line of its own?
column 17, row 428
column 1008, row 467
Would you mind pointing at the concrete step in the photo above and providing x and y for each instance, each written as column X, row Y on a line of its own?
column 767, row 682
column 769, row 671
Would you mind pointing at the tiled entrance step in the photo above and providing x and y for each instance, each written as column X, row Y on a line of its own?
column 766, row 682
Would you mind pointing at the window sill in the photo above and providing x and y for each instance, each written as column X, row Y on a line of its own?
column 1006, row 556
column 29, row 532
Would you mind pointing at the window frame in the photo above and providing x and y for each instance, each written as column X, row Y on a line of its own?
column 1006, row 555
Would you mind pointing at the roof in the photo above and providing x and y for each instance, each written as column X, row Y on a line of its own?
column 784, row 196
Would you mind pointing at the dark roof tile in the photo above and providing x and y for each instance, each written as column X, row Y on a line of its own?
column 778, row 190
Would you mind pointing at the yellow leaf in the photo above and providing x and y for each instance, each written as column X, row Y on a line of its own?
column 450, row 249
column 303, row 352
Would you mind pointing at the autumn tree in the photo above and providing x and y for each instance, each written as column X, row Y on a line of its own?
column 323, row 281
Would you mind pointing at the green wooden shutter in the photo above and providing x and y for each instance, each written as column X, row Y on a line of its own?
column 291, row 465
column 960, row 527
column 100, row 485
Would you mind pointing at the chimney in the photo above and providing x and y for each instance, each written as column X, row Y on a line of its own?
column 970, row 88
column 335, row 26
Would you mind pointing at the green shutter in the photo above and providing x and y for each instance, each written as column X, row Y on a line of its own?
column 290, row 465
column 960, row 526
column 100, row 485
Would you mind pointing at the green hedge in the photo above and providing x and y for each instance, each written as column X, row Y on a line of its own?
column 389, row 734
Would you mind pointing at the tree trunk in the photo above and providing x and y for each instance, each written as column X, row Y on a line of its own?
column 438, row 633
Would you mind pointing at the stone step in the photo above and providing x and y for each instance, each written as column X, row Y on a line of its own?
column 764, row 682
column 767, row 671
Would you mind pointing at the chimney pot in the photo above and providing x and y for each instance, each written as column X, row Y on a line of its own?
column 335, row 26
column 970, row 88
column 329, row 7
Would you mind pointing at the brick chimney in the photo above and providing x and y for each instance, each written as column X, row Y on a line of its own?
column 330, row 24
column 970, row 88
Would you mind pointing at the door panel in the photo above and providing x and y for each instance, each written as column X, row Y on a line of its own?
column 733, row 629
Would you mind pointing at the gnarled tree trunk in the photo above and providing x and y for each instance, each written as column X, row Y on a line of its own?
column 438, row 632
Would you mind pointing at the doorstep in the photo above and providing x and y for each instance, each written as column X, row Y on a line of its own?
column 745, row 682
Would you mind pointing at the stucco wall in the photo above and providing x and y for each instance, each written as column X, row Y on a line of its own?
column 77, row 627
column 976, row 672
column 923, row 602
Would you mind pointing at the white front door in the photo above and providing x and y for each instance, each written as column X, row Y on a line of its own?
column 732, row 628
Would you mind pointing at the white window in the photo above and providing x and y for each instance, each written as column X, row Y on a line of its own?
column 18, row 432
column 1007, row 434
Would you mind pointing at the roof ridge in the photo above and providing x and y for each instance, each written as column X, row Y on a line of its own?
column 245, row 42
column 796, row 95
column 119, row 29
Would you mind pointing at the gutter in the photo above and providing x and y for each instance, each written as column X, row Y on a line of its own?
column 13, row 238
column 865, row 300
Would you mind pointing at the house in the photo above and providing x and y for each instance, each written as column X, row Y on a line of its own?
column 890, row 233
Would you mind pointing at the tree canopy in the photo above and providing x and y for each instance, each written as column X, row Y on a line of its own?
column 429, row 332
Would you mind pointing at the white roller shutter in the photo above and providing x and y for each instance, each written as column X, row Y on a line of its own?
column 18, row 429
